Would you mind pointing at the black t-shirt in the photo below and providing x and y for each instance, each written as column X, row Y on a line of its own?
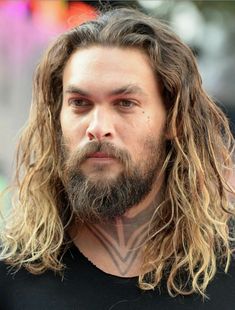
column 85, row 287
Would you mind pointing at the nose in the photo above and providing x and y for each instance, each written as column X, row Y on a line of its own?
column 100, row 125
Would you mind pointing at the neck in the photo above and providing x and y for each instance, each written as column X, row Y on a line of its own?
column 116, row 247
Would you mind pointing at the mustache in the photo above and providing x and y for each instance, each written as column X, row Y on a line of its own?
column 81, row 154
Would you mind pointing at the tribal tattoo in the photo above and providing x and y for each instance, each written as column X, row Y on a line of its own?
column 124, row 238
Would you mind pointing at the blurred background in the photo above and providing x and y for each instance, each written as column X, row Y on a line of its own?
column 27, row 26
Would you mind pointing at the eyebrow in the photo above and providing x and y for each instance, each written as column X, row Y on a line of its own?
column 129, row 89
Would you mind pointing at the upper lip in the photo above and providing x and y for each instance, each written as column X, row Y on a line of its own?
column 99, row 155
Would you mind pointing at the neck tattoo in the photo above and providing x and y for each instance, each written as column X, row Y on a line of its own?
column 123, row 239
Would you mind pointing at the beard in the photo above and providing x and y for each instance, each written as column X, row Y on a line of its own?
column 100, row 199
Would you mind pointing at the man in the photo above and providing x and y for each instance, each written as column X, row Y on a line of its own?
column 123, row 178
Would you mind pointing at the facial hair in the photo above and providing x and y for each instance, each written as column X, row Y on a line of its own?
column 104, row 199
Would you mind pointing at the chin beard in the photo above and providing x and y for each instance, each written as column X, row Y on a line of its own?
column 100, row 200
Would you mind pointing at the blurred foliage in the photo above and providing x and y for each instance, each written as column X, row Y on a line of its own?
column 228, row 5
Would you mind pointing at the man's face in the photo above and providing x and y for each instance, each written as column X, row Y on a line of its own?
column 112, row 121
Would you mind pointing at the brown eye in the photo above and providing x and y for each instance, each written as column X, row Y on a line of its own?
column 79, row 103
column 125, row 104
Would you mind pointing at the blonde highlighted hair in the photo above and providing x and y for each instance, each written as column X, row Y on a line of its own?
column 189, row 232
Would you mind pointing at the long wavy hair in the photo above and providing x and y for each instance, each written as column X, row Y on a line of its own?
column 189, row 233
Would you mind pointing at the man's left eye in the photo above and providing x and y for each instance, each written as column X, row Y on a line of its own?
column 125, row 104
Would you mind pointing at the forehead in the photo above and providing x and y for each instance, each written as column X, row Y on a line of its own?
column 105, row 66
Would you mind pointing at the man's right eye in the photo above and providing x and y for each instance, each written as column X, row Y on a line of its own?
column 83, row 103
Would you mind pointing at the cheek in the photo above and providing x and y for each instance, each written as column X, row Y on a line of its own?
column 134, row 139
column 144, row 138
column 155, row 127
column 71, row 130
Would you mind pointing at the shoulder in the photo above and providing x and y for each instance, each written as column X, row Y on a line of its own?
column 223, row 282
column 7, row 271
column 6, row 277
column 231, row 270
column 12, row 277
column 230, row 274
column 4, row 270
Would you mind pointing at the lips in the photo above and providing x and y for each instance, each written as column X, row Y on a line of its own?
column 99, row 155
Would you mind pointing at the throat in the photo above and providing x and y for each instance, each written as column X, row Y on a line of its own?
column 116, row 247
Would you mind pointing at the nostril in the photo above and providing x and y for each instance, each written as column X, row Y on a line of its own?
column 97, row 135
column 90, row 136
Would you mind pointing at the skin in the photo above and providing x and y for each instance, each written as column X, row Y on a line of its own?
column 111, row 94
